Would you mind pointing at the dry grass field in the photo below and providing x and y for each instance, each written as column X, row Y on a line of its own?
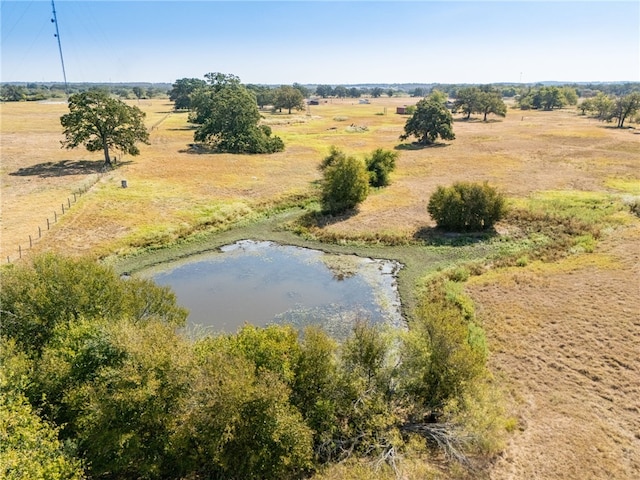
column 564, row 336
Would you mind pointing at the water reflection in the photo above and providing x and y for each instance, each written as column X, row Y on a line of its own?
column 263, row 282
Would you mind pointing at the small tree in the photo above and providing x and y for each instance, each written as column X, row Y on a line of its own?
column 376, row 92
column 430, row 121
column 626, row 107
column 334, row 154
column 289, row 98
column 466, row 206
column 345, row 184
column 467, row 101
column 138, row 92
column 603, row 106
column 103, row 123
column 340, row 91
column 491, row 102
column 380, row 164
column 324, row 91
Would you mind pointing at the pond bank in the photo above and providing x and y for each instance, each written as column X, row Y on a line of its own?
column 418, row 259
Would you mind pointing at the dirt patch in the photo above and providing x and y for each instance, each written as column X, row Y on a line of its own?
column 565, row 342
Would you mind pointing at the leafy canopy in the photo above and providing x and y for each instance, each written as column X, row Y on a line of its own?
column 111, row 376
column 181, row 91
column 430, row 121
column 103, row 123
column 228, row 117
column 54, row 290
column 289, row 98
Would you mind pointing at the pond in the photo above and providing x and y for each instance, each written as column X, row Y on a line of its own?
column 262, row 283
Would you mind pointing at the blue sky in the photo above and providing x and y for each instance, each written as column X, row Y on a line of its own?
column 331, row 42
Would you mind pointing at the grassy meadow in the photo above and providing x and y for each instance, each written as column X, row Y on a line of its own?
column 556, row 288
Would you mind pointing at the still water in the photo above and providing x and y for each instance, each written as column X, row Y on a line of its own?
column 264, row 282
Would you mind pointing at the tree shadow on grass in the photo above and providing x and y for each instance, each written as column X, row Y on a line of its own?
column 476, row 120
column 319, row 219
column 419, row 146
column 622, row 129
column 439, row 237
column 199, row 149
column 64, row 168
column 188, row 128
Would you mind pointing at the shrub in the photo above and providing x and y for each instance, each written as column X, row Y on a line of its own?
column 466, row 206
column 345, row 184
column 634, row 207
column 54, row 290
column 334, row 155
column 444, row 352
column 380, row 164
column 30, row 447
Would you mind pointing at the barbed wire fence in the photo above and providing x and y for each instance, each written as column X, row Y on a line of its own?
column 49, row 222
column 65, row 206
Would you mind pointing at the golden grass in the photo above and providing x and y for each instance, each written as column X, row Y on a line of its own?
column 521, row 154
column 562, row 334
column 564, row 339
column 627, row 185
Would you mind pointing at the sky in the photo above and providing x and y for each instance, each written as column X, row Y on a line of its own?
column 326, row 42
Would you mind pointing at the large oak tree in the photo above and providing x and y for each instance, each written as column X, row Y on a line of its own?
column 430, row 121
column 228, row 117
column 100, row 122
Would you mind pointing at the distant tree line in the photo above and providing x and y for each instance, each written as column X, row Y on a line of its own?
column 14, row 91
column 33, row 91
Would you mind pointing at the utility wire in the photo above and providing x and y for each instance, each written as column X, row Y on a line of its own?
column 64, row 73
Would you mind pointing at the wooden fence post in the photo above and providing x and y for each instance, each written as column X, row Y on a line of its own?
column 39, row 232
column 69, row 202
column 48, row 224
column 20, row 250
column 63, row 208
column 55, row 217
column 30, row 242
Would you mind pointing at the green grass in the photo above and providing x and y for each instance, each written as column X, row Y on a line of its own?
column 626, row 185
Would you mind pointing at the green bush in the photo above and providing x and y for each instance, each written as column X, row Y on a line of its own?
column 345, row 184
column 335, row 154
column 29, row 446
column 380, row 164
column 466, row 206
column 55, row 290
column 444, row 352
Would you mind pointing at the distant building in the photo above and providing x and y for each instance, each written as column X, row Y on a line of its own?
column 401, row 110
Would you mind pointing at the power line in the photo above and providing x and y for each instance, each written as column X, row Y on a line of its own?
column 57, row 35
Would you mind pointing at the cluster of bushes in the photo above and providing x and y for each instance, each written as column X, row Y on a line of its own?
column 347, row 179
column 96, row 381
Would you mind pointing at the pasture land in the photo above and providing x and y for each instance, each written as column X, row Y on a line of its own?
column 564, row 335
